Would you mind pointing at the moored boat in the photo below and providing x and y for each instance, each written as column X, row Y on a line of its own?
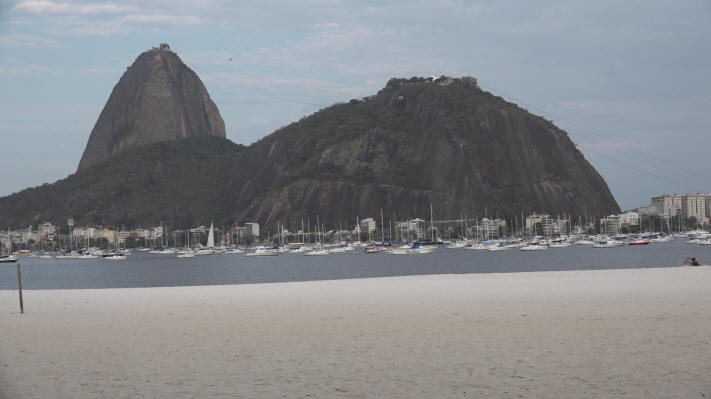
column 534, row 247
column 638, row 242
column 262, row 251
column 316, row 252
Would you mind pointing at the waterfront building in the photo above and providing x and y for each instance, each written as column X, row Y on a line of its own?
column 122, row 235
column 143, row 233
column 547, row 224
column 251, row 229
column 238, row 233
column 109, row 235
column 694, row 206
column 46, row 230
column 367, row 225
column 79, row 232
column 648, row 210
column 610, row 224
column 408, row 230
column 629, row 219
column 490, row 228
column 85, row 232
column 668, row 204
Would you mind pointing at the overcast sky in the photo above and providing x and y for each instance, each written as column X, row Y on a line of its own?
column 628, row 80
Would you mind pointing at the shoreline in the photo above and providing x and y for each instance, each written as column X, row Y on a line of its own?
column 249, row 283
column 635, row 332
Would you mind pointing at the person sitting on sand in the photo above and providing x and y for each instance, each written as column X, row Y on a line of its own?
column 694, row 262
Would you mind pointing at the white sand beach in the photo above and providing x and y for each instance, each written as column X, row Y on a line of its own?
column 637, row 333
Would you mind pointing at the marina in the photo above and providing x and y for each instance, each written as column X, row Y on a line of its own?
column 269, row 265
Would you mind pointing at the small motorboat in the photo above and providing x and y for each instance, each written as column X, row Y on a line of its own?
column 534, row 247
column 638, row 242
column 262, row 251
column 317, row 252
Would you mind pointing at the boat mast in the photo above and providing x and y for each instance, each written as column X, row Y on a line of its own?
column 431, row 223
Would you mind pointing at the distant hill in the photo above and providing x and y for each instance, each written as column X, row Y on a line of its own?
column 158, row 98
column 417, row 142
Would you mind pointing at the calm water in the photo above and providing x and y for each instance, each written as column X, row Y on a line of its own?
column 146, row 270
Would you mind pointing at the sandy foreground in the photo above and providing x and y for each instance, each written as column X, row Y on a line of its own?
column 590, row 334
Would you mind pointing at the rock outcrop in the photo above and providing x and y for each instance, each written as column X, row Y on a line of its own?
column 157, row 99
column 417, row 142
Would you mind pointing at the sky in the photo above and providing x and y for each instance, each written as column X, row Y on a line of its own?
column 629, row 81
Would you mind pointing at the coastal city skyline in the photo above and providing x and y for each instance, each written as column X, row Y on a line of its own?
column 629, row 85
column 674, row 212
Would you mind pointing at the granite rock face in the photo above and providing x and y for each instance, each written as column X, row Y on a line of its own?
column 417, row 142
column 157, row 99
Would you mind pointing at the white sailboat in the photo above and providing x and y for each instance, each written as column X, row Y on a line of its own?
column 211, row 237
column 210, row 248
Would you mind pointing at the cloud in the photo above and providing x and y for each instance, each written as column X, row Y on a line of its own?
column 162, row 20
column 207, row 58
column 102, row 19
column 89, row 28
column 327, row 25
column 48, row 7
column 282, row 85
column 24, row 40
column 358, row 50
column 132, row 23
column 32, row 69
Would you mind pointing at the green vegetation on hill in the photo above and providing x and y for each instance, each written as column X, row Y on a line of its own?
column 176, row 182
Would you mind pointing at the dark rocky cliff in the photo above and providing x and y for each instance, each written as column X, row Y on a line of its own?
column 417, row 142
column 158, row 98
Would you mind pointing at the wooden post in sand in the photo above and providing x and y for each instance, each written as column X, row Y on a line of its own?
column 19, row 287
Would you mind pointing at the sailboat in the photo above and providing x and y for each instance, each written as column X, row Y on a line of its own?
column 9, row 258
column 210, row 248
column 187, row 252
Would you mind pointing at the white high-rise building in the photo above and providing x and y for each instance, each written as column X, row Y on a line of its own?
column 694, row 205
column 667, row 204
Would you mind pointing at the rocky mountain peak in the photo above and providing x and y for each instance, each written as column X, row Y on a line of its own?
column 157, row 99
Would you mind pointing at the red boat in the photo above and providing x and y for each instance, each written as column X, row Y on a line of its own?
column 638, row 242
